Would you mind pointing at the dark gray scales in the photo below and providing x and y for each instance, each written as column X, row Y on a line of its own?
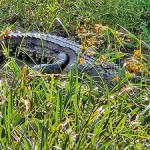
column 56, row 54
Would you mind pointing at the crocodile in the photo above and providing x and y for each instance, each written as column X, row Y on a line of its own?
column 57, row 55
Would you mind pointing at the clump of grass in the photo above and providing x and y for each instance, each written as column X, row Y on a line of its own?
column 133, row 15
column 45, row 113
column 42, row 112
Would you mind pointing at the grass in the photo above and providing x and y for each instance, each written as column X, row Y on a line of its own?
column 45, row 113
column 133, row 15
column 69, row 112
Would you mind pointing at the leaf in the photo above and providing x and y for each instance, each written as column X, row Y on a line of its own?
column 134, row 67
column 5, row 32
column 102, row 58
column 100, row 29
column 137, row 54
column 82, row 61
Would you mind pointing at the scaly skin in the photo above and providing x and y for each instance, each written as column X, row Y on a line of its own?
column 61, row 51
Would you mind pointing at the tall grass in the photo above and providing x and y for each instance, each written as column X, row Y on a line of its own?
column 70, row 112
column 133, row 15
column 42, row 112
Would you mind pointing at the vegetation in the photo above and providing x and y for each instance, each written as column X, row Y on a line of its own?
column 66, row 111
